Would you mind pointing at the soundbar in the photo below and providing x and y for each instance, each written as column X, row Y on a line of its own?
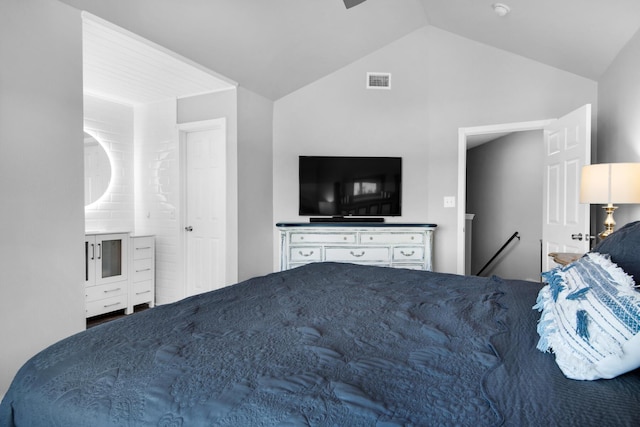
column 346, row 219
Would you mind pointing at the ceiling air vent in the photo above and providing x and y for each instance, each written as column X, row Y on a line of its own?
column 378, row 81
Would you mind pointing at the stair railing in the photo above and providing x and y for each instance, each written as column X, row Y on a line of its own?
column 513, row 236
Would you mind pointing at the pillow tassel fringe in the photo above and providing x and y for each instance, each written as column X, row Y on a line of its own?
column 582, row 324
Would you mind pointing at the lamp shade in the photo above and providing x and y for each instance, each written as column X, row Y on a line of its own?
column 607, row 183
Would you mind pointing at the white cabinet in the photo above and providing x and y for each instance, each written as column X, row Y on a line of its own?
column 106, row 272
column 391, row 245
column 119, row 272
column 142, row 277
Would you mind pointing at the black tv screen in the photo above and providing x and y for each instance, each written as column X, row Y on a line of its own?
column 350, row 186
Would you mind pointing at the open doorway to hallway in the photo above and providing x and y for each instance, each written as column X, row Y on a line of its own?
column 504, row 193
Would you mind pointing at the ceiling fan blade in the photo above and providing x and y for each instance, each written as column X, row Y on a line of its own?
column 350, row 3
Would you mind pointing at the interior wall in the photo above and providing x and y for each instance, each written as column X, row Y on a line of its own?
column 440, row 83
column 255, row 184
column 41, row 179
column 618, row 120
column 112, row 124
column 504, row 191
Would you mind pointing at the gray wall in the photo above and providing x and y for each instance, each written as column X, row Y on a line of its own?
column 255, row 184
column 440, row 82
column 504, row 191
column 41, row 179
column 619, row 119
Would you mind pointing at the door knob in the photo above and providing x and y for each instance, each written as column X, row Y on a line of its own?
column 577, row 236
column 189, row 228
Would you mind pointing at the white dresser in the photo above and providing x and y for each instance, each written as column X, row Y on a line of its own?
column 390, row 245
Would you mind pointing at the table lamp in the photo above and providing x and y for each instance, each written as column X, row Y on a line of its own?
column 609, row 183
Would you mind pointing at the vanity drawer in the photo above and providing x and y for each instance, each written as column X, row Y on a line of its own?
column 142, row 270
column 95, row 293
column 143, row 247
column 142, row 292
column 296, row 238
column 94, row 308
column 357, row 254
column 408, row 253
column 391, row 238
column 305, row 254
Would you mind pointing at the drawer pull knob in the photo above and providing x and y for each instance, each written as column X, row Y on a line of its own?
column 142, row 293
column 112, row 290
column 407, row 253
column 371, row 238
column 111, row 305
column 356, row 255
column 144, row 269
column 143, row 248
column 305, row 255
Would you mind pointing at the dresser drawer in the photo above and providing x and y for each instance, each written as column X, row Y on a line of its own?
column 409, row 266
column 142, row 247
column 408, row 253
column 95, row 293
column 94, row 308
column 305, row 254
column 391, row 238
column 142, row 292
column 142, row 270
column 296, row 238
column 357, row 254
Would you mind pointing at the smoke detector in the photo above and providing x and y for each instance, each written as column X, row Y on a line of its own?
column 501, row 9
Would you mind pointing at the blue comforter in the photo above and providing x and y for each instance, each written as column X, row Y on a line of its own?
column 324, row 344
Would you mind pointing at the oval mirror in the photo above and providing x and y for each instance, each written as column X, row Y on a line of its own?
column 97, row 170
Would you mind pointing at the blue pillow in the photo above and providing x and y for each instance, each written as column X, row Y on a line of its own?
column 623, row 246
column 590, row 318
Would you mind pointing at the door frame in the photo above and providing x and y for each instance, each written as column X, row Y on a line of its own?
column 183, row 129
column 463, row 133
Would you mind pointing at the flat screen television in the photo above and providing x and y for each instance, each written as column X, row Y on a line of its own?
column 350, row 186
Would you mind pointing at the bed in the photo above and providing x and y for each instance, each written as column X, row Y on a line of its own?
column 325, row 344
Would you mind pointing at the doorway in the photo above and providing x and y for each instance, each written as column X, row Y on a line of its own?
column 464, row 135
column 567, row 147
column 204, row 183
column 504, row 193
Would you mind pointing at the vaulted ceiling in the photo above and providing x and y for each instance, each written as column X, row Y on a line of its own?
column 274, row 47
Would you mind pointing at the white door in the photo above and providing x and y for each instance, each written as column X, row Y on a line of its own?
column 205, row 227
column 565, row 225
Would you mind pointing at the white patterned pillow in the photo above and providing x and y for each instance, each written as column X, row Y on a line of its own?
column 590, row 318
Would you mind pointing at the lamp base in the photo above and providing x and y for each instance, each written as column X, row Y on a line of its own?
column 609, row 222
